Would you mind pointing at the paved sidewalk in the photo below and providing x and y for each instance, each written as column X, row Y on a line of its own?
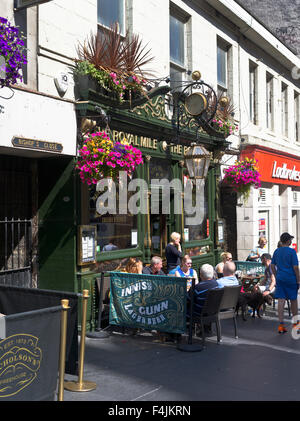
column 261, row 365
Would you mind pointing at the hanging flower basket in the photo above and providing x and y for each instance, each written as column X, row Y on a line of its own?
column 100, row 157
column 12, row 53
column 242, row 176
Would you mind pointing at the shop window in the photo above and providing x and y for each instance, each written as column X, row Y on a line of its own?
column 253, row 92
column 196, row 224
column 111, row 11
column 114, row 231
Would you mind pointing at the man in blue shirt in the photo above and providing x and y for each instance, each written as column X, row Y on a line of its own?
column 285, row 267
column 229, row 279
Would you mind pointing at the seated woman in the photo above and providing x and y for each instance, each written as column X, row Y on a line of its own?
column 186, row 270
column 226, row 257
column 134, row 266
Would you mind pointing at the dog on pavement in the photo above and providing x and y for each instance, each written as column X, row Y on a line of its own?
column 253, row 299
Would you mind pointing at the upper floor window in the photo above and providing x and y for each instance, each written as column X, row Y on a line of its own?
column 177, row 44
column 224, row 64
column 269, row 101
column 253, row 92
column 284, row 109
column 111, row 11
column 296, row 115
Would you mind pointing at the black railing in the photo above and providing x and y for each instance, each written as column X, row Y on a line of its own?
column 15, row 251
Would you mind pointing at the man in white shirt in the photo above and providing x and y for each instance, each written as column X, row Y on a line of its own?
column 229, row 279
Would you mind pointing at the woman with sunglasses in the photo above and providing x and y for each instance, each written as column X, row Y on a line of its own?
column 226, row 257
column 185, row 270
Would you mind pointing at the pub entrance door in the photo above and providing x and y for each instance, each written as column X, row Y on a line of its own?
column 162, row 220
column 161, row 227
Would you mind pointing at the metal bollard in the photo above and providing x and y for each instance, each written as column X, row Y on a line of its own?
column 63, row 342
column 81, row 385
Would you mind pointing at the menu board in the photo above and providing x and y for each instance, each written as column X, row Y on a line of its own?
column 87, row 244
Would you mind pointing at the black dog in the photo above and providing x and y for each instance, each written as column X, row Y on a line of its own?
column 255, row 300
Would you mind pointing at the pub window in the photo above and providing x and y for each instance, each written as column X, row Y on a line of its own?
column 296, row 115
column 201, row 230
column 114, row 231
column 111, row 11
column 284, row 109
column 253, row 92
column 269, row 101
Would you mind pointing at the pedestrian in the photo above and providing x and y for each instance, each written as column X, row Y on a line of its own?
column 226, row 257
column 173, row 252
column 229, row 278
column 257, row 252
column 185, row 270
column 155, row 267
column 286, row 270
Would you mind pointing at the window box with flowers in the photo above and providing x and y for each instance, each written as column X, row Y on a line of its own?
column 100, row 157
column 242, row 176
column 12, row 53
column 112, row 66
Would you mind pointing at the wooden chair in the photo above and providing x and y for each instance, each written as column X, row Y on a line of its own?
column 228, row 306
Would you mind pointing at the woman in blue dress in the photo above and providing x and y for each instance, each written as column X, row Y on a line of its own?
column 286, row 270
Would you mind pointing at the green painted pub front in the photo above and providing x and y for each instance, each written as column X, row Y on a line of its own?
column 149, row 127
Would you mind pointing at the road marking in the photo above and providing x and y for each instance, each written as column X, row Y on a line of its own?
column 145, row 394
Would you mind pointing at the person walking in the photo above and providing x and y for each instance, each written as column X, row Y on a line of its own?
column 286, row 270
column 173, row 252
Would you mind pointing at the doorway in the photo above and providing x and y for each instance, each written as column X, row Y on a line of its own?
column 17, row 229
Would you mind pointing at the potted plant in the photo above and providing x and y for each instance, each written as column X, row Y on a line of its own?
column 100, row 157
column 223, row 122
column 112, row 65
column 241, row 176
column 12, row 53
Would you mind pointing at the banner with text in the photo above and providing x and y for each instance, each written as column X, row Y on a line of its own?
column 148, row 302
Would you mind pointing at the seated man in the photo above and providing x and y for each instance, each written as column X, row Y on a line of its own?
column 229, row 278
column 155, row 267
column 207, row 282
column 267, row 284
column 185, row 270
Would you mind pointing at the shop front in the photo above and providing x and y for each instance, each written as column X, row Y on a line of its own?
column 275, row 207
column 160, row 197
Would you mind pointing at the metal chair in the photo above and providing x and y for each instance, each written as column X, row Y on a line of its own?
column 210, row 311
column 228, row 306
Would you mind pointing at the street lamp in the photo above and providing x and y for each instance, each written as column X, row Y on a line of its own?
column 197, row 160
